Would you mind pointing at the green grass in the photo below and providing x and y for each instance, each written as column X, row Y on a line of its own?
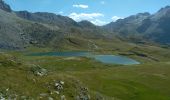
column 143, row 82
column 148, row 81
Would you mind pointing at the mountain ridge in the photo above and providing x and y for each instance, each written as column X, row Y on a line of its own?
column 49, row 29
column 5, row 6
column 153, row 27
column 22, row 29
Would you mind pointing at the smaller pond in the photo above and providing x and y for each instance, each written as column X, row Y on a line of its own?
column 112, row 59
column 107, row 59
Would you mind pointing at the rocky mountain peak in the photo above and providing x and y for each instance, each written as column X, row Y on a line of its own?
column 164, row 9
column 86, row 23
column 144, row 14
column 163, row 12
column 24, row 14
column 4, row 6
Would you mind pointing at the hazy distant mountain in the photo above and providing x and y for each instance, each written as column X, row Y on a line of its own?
column 154, row 27
column 127, row 25
column 157, row 26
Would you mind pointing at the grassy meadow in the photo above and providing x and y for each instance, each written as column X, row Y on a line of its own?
column 149, row 80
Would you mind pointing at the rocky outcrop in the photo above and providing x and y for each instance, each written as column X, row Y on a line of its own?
column 4, row 6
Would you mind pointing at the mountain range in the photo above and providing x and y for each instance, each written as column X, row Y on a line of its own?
column 21, row 29
column 153, row 27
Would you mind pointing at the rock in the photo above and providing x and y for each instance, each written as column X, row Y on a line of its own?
column 23, row 97
column 83, row 95
column 99, row 97
column 42, row 72
column 4, row 6
column 63, row 97
column 77, row 98
column 6, row 94
column 51, row 92
column 7, row 89
column 59, row 86
column 2, row 97
column 56, row 92
column 12, row 97
column 50, row 98
column 34, row 80
column 61, row 82
column 33, row 42
column 43, row 94
column 39, row 71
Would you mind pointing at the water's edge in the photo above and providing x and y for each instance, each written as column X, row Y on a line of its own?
column 107, row 59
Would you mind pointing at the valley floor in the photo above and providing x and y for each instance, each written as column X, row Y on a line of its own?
column 47, row 78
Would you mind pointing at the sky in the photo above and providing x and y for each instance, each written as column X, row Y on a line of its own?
column 98, row 12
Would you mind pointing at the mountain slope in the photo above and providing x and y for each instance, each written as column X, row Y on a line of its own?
column 16, row 33
column 9, row 30
column 23, row 29
column 154, row 27
column 47, row 18
column 127, row 25
column 158, row 26
column 4, row 6
column 64, row 23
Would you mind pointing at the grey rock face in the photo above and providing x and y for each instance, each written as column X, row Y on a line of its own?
column 4, row 6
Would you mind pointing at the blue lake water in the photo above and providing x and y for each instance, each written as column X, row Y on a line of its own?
column 62, row 54
column 112, row 59
column 107, row 59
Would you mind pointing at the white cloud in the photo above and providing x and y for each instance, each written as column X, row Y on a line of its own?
column 98, row 22
column 102, row 2
column 85, row 16
column 81, row 6
column 92, row 17
column 115, row 18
